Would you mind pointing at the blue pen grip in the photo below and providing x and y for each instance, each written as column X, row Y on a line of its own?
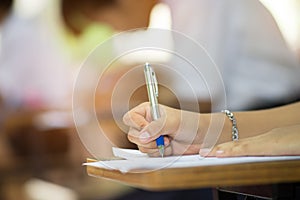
column 160, row 141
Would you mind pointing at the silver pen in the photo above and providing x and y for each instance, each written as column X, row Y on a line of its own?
column 152, row 88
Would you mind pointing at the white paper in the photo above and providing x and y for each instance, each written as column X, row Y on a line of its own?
column 136, row 160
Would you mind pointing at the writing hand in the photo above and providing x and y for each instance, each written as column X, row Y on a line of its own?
column 143, row 131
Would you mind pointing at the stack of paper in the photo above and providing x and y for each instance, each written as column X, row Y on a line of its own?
column 136, row 160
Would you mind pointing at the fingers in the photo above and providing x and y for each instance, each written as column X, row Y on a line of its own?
column 144, row 138
column 141, row 138
column 138, row 117
column 146, row 143
column 155, row 128
column 143, row 131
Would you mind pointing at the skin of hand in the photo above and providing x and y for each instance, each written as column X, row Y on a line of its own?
column 143, row 131
column 186, row 133
column 276, row 142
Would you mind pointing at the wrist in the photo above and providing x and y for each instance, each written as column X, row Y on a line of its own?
column 214, row 128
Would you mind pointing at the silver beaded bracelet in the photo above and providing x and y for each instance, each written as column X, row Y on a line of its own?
column 234, row 130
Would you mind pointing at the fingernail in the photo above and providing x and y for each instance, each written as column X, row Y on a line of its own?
column 144, row 137
column 204, row 152
column 167, row 141
column 219, row 152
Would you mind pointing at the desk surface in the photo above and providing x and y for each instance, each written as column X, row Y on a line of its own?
column 206, row 176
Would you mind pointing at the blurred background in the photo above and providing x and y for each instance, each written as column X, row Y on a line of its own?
column 286, row 14
column 42, row 46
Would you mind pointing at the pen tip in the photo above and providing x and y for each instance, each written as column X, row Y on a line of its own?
column 161, row 150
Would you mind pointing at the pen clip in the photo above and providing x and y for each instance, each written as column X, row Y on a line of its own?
column 154, row 81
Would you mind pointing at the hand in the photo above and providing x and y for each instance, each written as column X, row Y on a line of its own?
column 178, row 127
column 276, row 142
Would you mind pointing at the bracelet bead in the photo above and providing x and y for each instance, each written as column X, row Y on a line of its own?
column 234, row 130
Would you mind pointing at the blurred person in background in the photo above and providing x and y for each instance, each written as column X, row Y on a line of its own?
column 39, row 60
column 40, row 55
column 33, row 72
column 5, row 7
column 257, row 66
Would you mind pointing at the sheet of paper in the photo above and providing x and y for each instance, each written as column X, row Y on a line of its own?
column 135, row 160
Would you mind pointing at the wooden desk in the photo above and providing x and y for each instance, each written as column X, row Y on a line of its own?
column 206, row 176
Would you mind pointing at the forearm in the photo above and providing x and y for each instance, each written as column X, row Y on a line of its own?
column 250, row 123
column 277, row 142
column 257, row 122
